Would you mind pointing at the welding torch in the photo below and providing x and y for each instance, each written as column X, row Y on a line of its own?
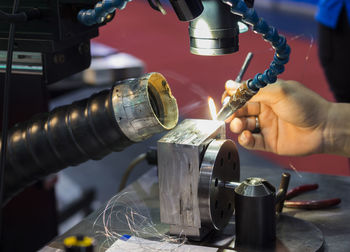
column 281, row 57
column 236, row 100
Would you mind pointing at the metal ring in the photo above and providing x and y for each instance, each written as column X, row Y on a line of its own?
column 257, row 125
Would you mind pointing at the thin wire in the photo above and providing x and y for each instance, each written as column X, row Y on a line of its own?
column 126, row 213
column 6, row 94
column 18, row 17
column 244, row 67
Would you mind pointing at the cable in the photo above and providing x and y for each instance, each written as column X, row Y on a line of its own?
column 20, row 17
column 100, row 12
column 6, row 94
column 12, row 18
column 150, row 156
column 130, row 168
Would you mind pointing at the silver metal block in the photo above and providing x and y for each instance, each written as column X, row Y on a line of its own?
column 186, row 193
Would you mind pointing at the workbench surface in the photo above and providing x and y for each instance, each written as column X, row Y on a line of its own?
column 143, row 195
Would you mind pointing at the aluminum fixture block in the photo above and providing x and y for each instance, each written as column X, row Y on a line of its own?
column 180, row 153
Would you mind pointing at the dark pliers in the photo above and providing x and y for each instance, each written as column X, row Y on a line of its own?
column 308, row 204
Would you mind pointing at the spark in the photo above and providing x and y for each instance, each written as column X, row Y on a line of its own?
column 212, row 108
column 295, row 169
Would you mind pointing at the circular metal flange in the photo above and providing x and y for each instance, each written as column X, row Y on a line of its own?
column 220, row 165
column 144, row 106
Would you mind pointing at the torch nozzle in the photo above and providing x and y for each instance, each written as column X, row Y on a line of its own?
column 225, row 112
column 237, row 100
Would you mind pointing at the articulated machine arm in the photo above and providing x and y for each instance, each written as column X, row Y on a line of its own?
column 214, row 30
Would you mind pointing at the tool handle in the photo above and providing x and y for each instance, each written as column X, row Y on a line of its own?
column 312, row 204
column 300, row 189
column 281, row 195
column 244, row 67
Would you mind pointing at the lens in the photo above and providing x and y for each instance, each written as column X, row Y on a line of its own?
column 215, row 31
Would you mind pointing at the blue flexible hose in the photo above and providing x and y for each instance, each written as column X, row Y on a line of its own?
column 98, row 14
column 270, row 34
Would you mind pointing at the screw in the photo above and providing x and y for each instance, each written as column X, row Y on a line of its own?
column 59, row 58
column 84, row 48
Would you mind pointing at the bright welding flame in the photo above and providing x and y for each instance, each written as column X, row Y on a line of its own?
column 212, row 108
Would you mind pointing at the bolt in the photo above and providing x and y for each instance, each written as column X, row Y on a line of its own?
column 84, row 48
column 59, row 58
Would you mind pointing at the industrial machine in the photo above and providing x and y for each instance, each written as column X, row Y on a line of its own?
column 46, row 41
column 53, row 39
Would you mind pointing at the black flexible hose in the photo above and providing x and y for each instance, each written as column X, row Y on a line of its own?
column 66, row 136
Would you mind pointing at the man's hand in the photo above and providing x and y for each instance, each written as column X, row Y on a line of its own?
column 293, row 120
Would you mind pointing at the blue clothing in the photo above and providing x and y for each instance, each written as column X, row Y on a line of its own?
column 328, row 11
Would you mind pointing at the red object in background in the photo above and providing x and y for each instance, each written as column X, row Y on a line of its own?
column 308, row 204
column 162, row 42
column 300, row 190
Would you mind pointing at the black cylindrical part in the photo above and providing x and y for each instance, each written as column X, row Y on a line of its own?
column 187, row 10
column 255, row 214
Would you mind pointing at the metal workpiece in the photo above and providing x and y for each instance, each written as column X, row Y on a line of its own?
column 180, row 154
column 241, row 96
column 255, row 214
column 190, row 159
column 144, row 106
column 220, row 167
column 88, row 129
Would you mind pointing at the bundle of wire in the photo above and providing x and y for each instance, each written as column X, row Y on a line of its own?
column 126, row 214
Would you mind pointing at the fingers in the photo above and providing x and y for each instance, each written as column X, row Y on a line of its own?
column 225, row 97
column 249, row 109
column 238, row 125
column 230, row 87
column 230, row 118
column 251, row 141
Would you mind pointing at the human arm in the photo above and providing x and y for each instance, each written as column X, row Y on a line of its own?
column 293, row 121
